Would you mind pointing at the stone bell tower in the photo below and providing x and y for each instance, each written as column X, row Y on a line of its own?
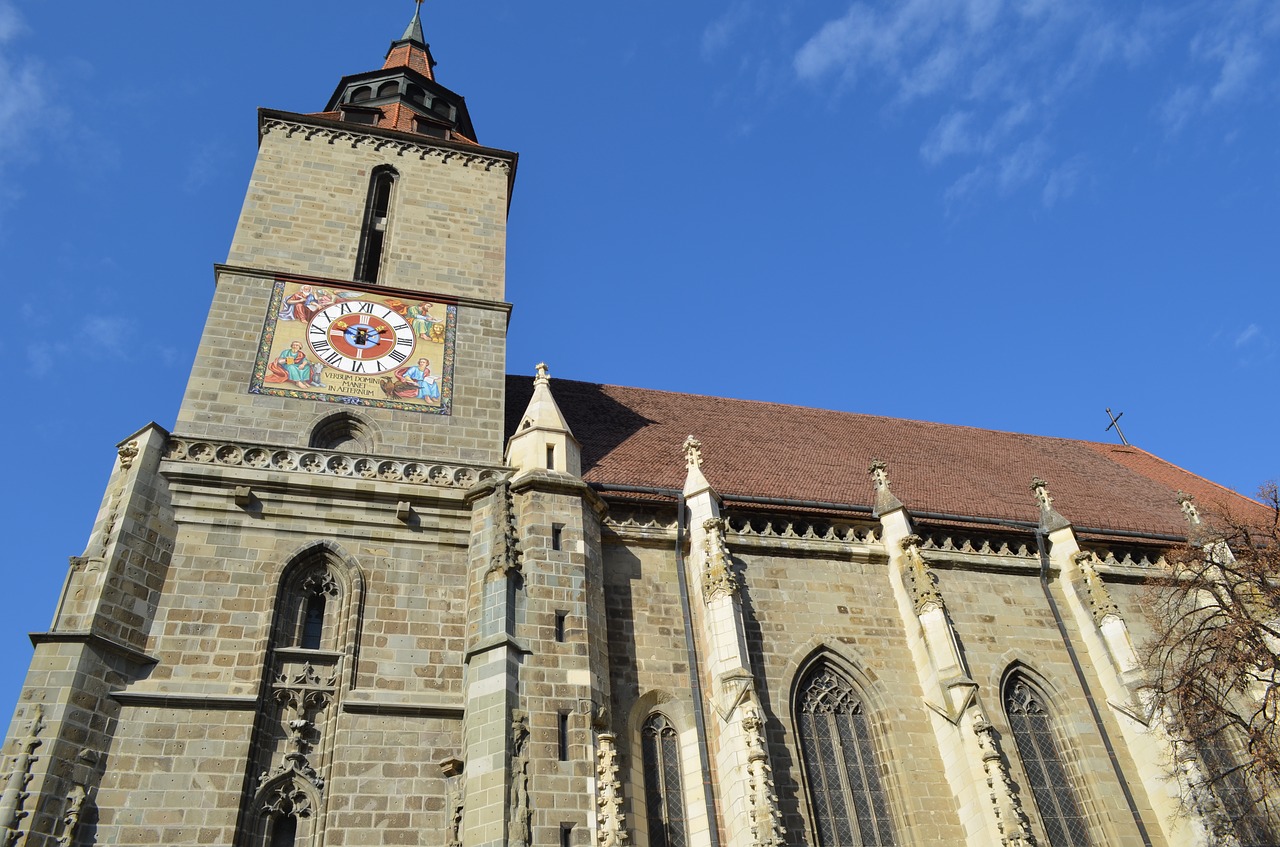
column 324, row 609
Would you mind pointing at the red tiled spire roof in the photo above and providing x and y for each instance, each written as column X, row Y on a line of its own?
column 412, row 50
column 633, row 436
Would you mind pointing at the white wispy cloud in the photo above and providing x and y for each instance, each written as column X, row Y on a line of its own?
column 20, row 87
column 720, row 33
column 1000, row 75
column 1252, row 332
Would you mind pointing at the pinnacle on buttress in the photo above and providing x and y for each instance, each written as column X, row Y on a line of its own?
column 1050, row 520
column 543, row 440
column 886, row 502
column 694, row 481
column 1196, row 530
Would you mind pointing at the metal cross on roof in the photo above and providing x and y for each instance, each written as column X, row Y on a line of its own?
column 1115, row 422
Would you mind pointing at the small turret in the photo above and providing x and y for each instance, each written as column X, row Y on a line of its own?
column 403, row 95
column 543, row 440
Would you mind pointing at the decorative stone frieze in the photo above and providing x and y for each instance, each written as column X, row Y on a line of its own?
column 610, row 819
column 977, row 546
column 921, row 581
column 766, row 817
column 402, row 146
column 505, row 555
column 324, row 463
column 15, row 787
column 1015, row 829
column 1100, row 602
column 519, row 816
column 717, row 575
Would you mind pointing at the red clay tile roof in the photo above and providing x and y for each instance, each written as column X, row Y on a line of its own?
column 634, row 436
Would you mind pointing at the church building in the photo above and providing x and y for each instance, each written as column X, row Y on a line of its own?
column 372, row 590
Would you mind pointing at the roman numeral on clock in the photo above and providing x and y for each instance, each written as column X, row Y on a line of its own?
column 397, row 356
column 334, row 358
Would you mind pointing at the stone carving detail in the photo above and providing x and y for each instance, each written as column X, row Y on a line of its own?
column 128, row 452
column 505, row 558
column 610, row 820
column 766, row 818
column 1100, row 602
column 320, row 582
column 15, row 787
column 1015, row 829
column 402, row 147
column 455, row 795
column 921, row 581
column 71, row 815
column 324, row 463
column 519, row 814
column 295, row 761
column 288, row 800
column 1189, row 508
column 692, row 453
column 717, row 576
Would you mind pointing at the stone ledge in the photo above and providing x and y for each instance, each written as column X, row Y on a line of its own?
column 324, row 463
column 92, row 639
column 402, row 705
column 187, row 700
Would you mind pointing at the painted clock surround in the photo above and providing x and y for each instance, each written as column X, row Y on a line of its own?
column 339, row 342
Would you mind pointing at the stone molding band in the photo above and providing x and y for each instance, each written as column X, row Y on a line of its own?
column 324, row 463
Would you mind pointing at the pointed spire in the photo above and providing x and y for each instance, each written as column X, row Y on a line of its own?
column 1050, row 520
column 886, row 502
column 413, row 32
column 543, row 440
column 412, row 50
column 694, row 480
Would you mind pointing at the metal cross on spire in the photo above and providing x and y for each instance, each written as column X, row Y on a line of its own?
column 1115, row 422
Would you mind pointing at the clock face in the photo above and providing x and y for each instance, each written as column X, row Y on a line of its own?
column 340, row 344
column 361, row 338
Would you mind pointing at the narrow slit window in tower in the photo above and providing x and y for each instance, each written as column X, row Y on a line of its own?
column 551, row 457
column 557, row 536
column 561, row 618
column 564, row 737
column 374, row 232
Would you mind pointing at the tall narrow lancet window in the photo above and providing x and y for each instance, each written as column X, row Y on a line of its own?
column 284, row 831
column 377, row 213
column 1046, row 772
column 313, row 595
column 846, row 793
column 313, row 623
column 663, row 791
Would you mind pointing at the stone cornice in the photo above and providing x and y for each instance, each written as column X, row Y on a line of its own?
column 324, row 463
column 187, row 700
column 554, row 482
column 403, row 143
column 269, row 274
column 96, row 641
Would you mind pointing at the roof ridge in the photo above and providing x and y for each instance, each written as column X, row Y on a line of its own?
column 1176, row 466
column 839, row 412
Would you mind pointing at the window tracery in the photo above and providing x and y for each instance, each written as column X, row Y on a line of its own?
column 846, row 793
column 1032, row 727
column 663, row 788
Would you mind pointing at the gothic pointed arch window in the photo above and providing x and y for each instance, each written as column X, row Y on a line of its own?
column 377, row 216
column 663, row 788
column 1033, row 734
column 842, row 772
column 313, row 608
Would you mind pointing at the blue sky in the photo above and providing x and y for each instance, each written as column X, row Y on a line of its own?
column 996, row 214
